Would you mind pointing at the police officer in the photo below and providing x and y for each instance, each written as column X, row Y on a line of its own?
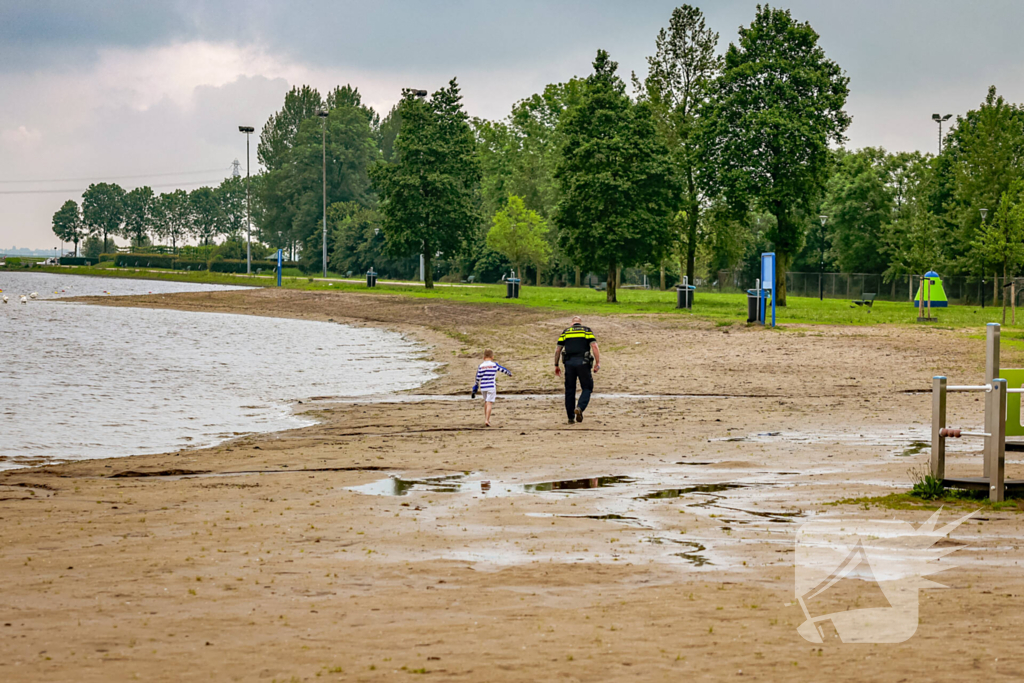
column 577, row 348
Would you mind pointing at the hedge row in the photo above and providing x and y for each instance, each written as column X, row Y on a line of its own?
column 167, row 261
column 76, row 261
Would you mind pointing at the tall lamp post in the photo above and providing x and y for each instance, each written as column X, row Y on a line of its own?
column 323, row 115
column 984, row 212
column 248, row 215
column 940, row 120
column 821, row 267
column 420, row 95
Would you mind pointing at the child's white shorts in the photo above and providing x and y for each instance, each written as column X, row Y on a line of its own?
column 489, row 396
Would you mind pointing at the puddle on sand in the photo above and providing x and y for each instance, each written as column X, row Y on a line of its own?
column 914, row 449
column 456, row 483
column 692, row 556
column 702, row 488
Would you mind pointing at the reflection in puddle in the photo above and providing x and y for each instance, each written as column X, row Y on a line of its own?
column 621, row 519
column 456, row 483
column 691, row 556
column 703, row 488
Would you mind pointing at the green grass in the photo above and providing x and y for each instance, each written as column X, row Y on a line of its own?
column 952, row 498
column 724, row 309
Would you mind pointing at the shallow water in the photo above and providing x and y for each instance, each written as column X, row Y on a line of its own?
column 82, row 382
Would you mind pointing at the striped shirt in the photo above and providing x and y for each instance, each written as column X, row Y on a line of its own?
column 486, row 373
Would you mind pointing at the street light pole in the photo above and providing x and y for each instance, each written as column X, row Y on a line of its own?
column 420, row 95
column 940, row 120
column 323, row 115
column 248, row 214
column 821, row 267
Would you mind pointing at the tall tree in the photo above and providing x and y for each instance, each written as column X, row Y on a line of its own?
column 282, row 129
column 67, row 223
column 231, row 198
column 1001, row 239
column 206, row 217
column 350, row 150
column 138, row 214
column 103, row 209
column 172, row 217
column 678, row 83
column 985, row 155
column 615, row 178
column 859, row 204
column 429, row 196
column 768, row 124
column 518, row 234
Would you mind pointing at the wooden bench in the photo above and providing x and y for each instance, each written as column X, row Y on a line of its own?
column 868, row 300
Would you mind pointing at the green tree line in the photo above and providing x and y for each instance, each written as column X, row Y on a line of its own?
column 697, row 167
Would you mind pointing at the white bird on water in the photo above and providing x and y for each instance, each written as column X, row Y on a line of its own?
column 33, row 295
column 5, row 298
column 24, row 299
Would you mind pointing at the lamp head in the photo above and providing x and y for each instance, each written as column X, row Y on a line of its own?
column 322, row 113
column 947, row 117
column 412, row 92
column 984, row 212
column 823, row 220
column 936, row 117
column 246, row 129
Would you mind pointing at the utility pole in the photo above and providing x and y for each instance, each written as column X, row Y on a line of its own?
column 248, row 215
column 323, row 115
column 821, row 267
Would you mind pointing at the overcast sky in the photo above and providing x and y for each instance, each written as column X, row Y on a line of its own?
column 153, row 93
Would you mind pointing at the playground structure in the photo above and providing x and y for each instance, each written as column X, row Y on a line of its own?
column 998, row 424
column 930, row 294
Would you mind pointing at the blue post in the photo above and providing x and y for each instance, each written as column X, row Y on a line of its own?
column 279, row 251
column 768, row 281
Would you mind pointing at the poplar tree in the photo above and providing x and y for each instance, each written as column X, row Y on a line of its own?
column 615, row 179
column 428, row 193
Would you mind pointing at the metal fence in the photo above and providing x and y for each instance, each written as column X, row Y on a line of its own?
column 960, row 289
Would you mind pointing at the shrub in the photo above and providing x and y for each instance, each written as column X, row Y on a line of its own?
column 144, row 261
column 76, row 261
column 189, row 265
column 238, row 266
column 928, row 488
column 13, row 262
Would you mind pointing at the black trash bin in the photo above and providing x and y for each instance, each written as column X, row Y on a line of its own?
column 512, row 288
column 371, row 278
column 752, row 305
column 684, row 296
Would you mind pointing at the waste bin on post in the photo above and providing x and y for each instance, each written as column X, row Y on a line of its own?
column 684, row 295
column 371, row 278
column 753, row 295
column 512, row 288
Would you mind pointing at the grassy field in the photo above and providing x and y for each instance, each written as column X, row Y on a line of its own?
column 722, row 308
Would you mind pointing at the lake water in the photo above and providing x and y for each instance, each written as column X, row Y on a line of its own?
column 80, row 381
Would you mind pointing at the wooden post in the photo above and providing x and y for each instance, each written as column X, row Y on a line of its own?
column 996, row 444
column 938, row 423
column 663, row 276
column 1013, row 302
column 991, row 352
column 577, row 276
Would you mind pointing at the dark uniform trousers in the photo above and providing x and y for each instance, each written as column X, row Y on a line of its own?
column 577, row 369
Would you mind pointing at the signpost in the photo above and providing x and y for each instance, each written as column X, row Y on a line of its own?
column 768, row 283
column 279, row 252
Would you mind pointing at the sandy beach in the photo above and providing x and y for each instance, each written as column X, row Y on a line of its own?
column 288, row 556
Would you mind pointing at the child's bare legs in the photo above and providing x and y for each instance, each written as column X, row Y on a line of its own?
column 488, row 407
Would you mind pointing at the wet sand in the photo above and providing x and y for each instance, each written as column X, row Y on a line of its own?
column 256, row 560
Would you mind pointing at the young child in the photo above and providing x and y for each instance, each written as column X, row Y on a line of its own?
column 486, row 384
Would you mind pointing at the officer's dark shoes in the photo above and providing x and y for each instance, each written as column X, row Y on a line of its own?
column 579, row 415
column 572, row 420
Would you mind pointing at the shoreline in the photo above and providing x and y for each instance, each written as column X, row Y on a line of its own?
column 288, row 570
